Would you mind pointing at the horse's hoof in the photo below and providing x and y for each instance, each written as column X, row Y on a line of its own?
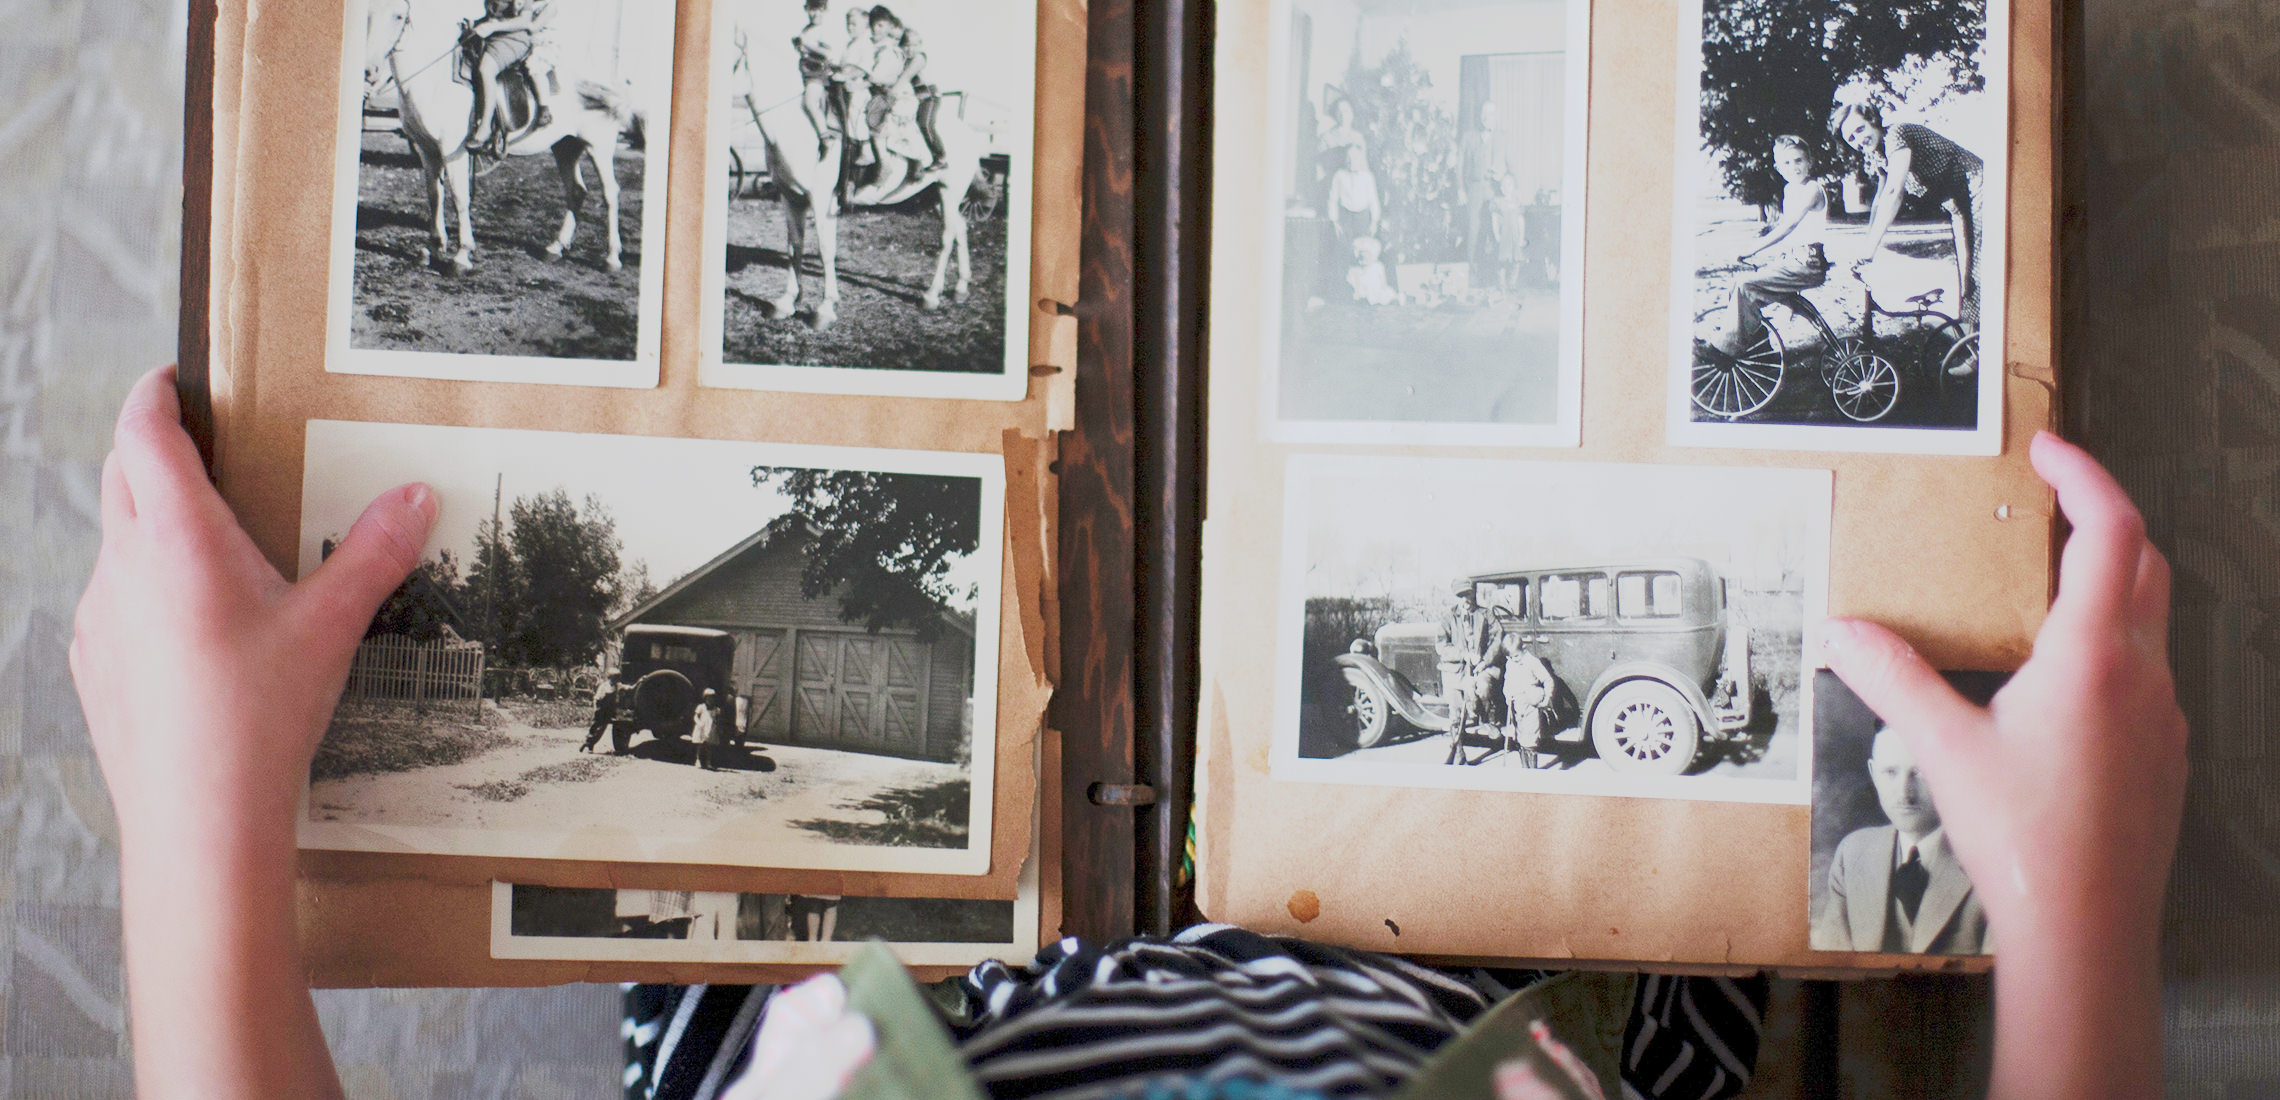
column 427, row 258
column 959, row 294
column 553, row 252
column 823, row 319
column 779, row 309
column 930, row 302
column 614, row 264
column 461, row 265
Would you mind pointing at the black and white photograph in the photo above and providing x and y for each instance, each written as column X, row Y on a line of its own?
column 1839, row 235
column 670, row 650
column 499, row 197
column 1883, row 878
column 868, row 226
column 1554, row 627
column 1425, row 221
column 545, row 922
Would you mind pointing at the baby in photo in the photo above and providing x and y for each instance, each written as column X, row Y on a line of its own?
column 1368, row 276
column 1891, row 884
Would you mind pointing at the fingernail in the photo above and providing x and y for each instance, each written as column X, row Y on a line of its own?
column 1836, row 634
column 422, row 500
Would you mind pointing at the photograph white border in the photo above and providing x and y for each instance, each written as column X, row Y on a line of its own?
column 1009, row 384
column 1020, row 949
column 641, row 372
column 1286, row 765
column 1566, row 429
column 1986, row 440
column 593, row 841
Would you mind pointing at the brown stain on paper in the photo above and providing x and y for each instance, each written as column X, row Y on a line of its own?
column 1305, row 906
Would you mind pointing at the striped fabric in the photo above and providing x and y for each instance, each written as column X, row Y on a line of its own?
column 1211, row 1011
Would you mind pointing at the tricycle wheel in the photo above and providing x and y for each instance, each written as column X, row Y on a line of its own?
column 1373, row 716
column 1730, row 387
column 1645, row 728
column 1865, row 386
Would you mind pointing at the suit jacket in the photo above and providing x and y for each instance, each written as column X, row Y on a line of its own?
column 1949, row 920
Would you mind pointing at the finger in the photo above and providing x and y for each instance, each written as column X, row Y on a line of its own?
column 2097, row 572
column 381, row 549
column 118, row 498
column 1903, row 689
column 2150, row 596
column 160, row 462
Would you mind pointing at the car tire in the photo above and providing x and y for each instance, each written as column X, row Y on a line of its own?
column 1642, row 727
column 1372, row 714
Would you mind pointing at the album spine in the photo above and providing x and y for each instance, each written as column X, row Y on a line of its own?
column 193, row 347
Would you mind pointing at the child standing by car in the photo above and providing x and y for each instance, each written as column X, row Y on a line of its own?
column 1801, row 233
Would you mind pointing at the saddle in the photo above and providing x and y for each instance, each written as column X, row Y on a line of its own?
column 516, row 113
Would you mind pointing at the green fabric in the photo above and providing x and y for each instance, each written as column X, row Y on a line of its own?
column 1586, row 1011
column 914, row 1059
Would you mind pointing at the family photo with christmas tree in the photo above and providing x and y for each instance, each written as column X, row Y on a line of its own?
column 1430, row 200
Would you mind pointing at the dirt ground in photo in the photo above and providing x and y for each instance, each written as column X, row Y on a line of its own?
column 517, row 301
column 1493, row 361
column 886, row 261
column 517, row 774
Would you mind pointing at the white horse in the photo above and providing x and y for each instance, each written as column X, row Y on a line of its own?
column 812, row 185
column 422, row 54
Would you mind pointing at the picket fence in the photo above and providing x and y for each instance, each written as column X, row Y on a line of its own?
column 395, row 669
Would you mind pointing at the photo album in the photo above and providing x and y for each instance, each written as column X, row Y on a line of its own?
column 1569, row 363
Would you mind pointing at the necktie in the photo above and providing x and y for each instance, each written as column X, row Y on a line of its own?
column 1908, row 882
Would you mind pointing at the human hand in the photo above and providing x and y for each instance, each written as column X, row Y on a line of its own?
column 2062, row 798
column 206, row 678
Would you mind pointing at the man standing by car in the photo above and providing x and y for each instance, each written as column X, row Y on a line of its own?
column 605, row 708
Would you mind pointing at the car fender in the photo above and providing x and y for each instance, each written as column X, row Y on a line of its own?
column 1659, row 673
column 1367, row 672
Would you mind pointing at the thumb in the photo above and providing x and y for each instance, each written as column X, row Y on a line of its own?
column 380, row 551
column 1903, row 689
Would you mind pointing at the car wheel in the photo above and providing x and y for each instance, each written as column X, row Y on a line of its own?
column 1373, row 716
column 1645, row 728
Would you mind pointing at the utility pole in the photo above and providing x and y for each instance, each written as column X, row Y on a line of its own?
column 491, row 575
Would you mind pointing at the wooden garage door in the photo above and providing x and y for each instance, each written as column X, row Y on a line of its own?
column 861, row 691
column 760, row 681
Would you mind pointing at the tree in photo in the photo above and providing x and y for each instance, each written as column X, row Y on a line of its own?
column 1412, row 143
column 884, row 542
column 1774, row 67
column 567, row 561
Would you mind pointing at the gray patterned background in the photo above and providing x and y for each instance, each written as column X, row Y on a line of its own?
column 2174, row 380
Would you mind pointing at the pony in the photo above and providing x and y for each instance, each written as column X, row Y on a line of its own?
column 421, row 53
column 815, row 179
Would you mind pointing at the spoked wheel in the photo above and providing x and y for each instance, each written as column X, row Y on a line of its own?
column 1734, row 387
column 1866, row 386
column 1645, row 728
column 984, row 198
column 1958, row 370
column 1372, row 718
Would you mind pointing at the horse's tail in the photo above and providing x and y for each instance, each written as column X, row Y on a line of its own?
column 615, row 101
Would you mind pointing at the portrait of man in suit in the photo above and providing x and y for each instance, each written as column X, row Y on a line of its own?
column 1896, row 887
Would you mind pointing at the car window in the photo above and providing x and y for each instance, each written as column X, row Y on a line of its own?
column 1564, row 597
column 672, row 652
column 1510, row 597
column 1648, row 596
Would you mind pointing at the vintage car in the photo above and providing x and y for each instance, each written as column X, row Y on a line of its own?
column 662, row 672
column 1649, row 655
